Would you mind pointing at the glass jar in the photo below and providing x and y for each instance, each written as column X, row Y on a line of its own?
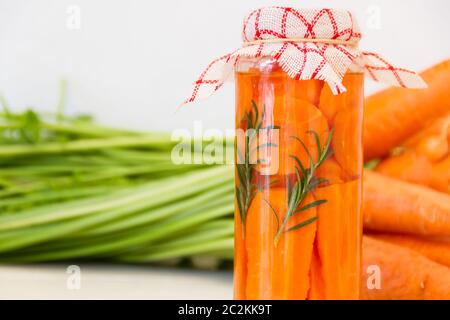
column 298, row 185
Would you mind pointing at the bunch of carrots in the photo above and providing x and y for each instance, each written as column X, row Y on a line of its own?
column 407, row 195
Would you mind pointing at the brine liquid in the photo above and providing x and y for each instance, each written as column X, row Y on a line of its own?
column 298, row 187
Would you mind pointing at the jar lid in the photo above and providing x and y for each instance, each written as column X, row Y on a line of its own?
column 289, row 23
column 308, row 44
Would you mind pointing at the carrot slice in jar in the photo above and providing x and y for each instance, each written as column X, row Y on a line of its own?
column 339, row 232
column 307, row 90
column 244, row 96
column 295, row 120
column 331, row 170
column 240, row 258
column 316, row 290
column 347, row 141
column 305, row 119
column 277, row 271
column 260, row 230
column 293, row 254
column 330, row 104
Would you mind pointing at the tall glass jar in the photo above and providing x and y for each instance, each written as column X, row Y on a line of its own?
column 298, row 185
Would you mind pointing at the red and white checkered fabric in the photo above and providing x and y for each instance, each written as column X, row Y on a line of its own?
column 304, row 60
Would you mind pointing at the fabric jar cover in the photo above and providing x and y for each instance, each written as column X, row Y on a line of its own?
column 323, row 47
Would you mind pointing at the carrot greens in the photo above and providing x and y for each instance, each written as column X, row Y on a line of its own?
column 73, row 189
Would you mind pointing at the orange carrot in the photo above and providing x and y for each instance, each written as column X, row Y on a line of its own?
column 338, row 239
column 434, row 148
column 344, row 113
column 282, row 271
column 305, row 117
column 335, row 262
column 296, row 119
column 305, row 90
column 432, row 249
column 332, row 171
column 440, row 178
column 347, row 141
column 331, row 104
column 413, row 167
column 240, row 258
column 244, row 96
column 260, row 230
column 396, row 206
column 393, row 115
column 439, row 127
column 405, row 274
column 422, row 157
column 293, row 257
column 317, row 289
column 409, row 166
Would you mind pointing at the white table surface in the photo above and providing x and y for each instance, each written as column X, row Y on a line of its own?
column 100, row 281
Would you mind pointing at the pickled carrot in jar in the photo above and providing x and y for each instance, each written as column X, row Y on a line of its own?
column 298, row 228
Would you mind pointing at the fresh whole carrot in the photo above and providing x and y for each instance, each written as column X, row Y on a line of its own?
column 414, row 167
column 438, row 128
column 434, row 148
column 438, row 251
column 440, row 179
column 405, row 274
column 423, row 158
column 394, row 114
column 409, row 166
column 391, row 205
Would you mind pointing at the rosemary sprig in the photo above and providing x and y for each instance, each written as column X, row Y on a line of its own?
column 246, row 189
column 306, row 181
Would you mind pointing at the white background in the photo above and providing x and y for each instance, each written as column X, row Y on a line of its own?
column 132, row 62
